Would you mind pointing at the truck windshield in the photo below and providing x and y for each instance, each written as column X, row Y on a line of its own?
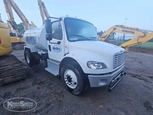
column 79, row 30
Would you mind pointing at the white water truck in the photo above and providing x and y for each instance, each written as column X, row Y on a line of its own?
column 71, row 50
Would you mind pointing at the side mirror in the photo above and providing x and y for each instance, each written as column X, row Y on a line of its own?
column 48, row 36
column 48, row 27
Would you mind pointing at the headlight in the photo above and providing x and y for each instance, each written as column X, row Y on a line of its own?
column 96, row 65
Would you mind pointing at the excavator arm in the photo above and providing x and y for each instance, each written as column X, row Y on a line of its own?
column 15, row 37
column 33, row 25
column 142, row 36
column 137, row 40
column 11, row 3
column 11, row 22
column 121, row 29
column 43, row 10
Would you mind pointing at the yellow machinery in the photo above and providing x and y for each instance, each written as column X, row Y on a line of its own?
column 11, row 69
column 11, row 23
column 16, row 38
column 5, row 41
column 142, row 36
column 43, row 10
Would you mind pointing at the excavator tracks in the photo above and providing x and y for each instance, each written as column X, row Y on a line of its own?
column 11, row 69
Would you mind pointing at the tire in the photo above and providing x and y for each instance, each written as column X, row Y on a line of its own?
column 36, row 58
column 78, row 80
column 31, row 58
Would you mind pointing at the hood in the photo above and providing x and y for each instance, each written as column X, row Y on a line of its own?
column 96, row 51
column 95, row 46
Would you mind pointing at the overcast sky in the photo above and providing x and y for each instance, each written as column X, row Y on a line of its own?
column 102, row 13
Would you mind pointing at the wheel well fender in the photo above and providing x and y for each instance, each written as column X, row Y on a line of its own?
column 67, row 59
column 32, row 49
column 35, row 54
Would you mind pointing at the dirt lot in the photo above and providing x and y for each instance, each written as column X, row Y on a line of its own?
column 132, row 96
column 142, row 50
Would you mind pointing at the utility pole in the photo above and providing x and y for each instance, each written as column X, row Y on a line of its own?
column 125, row 25
column 125, row 21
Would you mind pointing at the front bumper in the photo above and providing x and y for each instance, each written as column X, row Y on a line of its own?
column 111, row 79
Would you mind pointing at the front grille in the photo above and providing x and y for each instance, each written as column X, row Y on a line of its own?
column 119, row 59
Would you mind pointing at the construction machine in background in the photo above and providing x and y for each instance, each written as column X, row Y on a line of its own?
column 12, row 24
column 5, row 41
column 11, row 69
column 43, row 11
column 142, row 36
column 16, row 37
column 33, row 25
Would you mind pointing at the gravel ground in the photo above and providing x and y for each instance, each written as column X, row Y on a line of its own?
column 132, row 96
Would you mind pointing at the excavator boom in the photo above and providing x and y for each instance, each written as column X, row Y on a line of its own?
column 142, row 36
column 43, row 10
column 16, row 37
column 11, row 22
column 19, row 13
column 121, row 29
column 15, row 40
column 138, row 40
column 9, row 4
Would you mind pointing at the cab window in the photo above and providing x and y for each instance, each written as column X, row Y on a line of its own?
column 56, row 30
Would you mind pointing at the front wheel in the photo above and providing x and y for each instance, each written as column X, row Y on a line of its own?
column 73, row 78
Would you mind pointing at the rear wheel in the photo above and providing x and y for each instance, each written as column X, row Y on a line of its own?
column 36, row 58
column 73, row 78
column 31, row 58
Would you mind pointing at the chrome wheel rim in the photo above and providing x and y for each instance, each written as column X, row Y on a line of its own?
column 70, row 79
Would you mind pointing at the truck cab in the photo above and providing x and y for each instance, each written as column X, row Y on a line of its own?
column 72, row 51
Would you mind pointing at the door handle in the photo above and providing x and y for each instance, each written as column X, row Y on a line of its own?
column 58, row 42
column 49, row 48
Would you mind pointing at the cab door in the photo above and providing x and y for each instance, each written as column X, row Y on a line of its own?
column 56, row 45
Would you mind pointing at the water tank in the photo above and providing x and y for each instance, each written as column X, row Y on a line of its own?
column 36, row 38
